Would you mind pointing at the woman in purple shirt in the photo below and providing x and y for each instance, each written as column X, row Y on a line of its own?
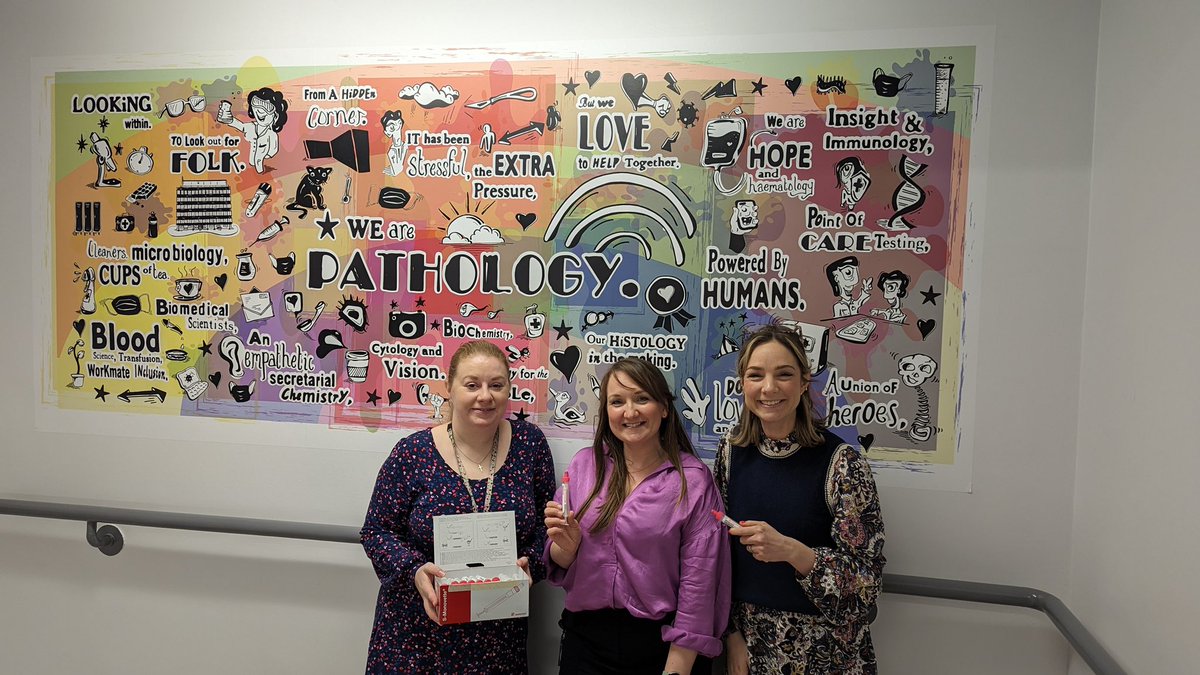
column 644, row 564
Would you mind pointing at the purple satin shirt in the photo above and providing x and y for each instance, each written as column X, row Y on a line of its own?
column 658, row 556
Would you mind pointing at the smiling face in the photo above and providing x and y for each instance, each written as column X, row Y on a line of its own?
column 634, row 416
column 773, row 383
column 479, row 391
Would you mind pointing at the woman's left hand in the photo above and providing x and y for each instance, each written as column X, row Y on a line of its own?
column 766, row 544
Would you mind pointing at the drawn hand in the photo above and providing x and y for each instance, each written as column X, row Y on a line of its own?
column 696, row 410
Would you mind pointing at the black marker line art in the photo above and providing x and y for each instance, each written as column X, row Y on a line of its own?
column 77, row 352
column 687, row 114
column 245, row 267
column 215, row 378
column 931, row 296
column 191, row 383
column 203, row 207
column 672, row 83
column 888, row 86
column 306, row 325
column 101, row 394
column 78, row 325
column 535, row 322
column 854, row 180
column 220, row 280
column 329, row 340
column 241, row 392
column 695, row 405
column 428, row 95
column 894, row 286
column 668, row 145
column 866, row 442
column 257, row 306
column 140, row 162
column 407, row 325
column 87, row 217
column 759, row 87
column 926, row 327
column 268, row 115
column 843, row 277
column 634, row 87
column 123, row 223
column 566, row 360
column 373, row 398
column 728, row 346
column 353, row 312
column 487, row 139
column 666, row 297
column 592, row 77
column 310, row 191
column 743, row 221
column 724, row 139
column 231, row 350
column 469, row 228
column 726, row 89
column 394, row 397
column 172, row 327
column 908, row 196
column 678, row 211
column 563, row 413
column 531, row 128
column 469, row 308
column 425, row 396
column 915, row 370
column 562, row 330
column 526, row 94
column 553, row 118
column 271, row 231
column 827, row 84
column 104, row 162
column 941, row 87
column 87, row 304
column 392, row 122
column 283, row 266
column 570, row 86
column 152, row 395
column 596, row 318
column 793, row 84
column 328, row 226
column 594, row 384
column 350, row 148
column 515, row 354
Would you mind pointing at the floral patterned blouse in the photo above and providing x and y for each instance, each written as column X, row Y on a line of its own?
column 843, row 584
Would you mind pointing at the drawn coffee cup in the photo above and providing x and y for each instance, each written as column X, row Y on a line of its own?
column 357, row 363
column 888, row 85
column 187, row 289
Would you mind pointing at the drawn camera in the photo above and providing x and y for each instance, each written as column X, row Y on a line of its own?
column 406, row 325
column 124, row 223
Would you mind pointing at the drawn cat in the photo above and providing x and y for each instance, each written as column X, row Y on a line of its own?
column 309, row 193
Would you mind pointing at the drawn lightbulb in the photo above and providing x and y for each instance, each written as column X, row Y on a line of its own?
column 231, row 349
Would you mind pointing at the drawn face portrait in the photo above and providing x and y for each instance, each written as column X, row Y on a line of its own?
column 393, row 128
column 633, row 414
column 480, row 390
column 773, row 384
column 891, row 290
column 263, row 113
column 847, row 278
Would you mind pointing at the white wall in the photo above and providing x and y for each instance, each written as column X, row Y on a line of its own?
column 193, row 602
column 1135, row 545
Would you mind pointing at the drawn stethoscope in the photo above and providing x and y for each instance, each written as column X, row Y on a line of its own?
column 524, row 94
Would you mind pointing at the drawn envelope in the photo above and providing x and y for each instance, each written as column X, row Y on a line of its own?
column 256, row 306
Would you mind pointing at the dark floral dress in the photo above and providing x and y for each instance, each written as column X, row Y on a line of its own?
column 415, row 484
column 844, row 583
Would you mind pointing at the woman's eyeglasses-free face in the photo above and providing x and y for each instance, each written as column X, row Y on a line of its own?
column 176, row 108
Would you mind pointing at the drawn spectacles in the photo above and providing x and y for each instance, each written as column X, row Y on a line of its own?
column 175, row 108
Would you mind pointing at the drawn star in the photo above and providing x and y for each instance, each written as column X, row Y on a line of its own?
column 394, row 305
column 206, row 348
column 103, row 123
column 758, row 87
column 420, row 302
column 81, row 143
column 373, row 398
column 436, row 324
column 930, row 296
column 564, row 331
column 521, row 415
column 327, row 224
column 120, row 149
column 101, row 394
column 570, row 86
column 742, row 316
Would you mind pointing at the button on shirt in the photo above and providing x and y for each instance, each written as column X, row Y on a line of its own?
column 658, row 556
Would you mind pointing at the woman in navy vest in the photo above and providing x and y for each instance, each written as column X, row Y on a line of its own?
column 808, row 559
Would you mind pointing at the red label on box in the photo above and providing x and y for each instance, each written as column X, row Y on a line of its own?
column 455, row 606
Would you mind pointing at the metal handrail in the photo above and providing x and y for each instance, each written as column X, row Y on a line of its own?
column 109, row 540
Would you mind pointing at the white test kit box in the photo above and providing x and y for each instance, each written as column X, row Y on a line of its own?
column 478, row 553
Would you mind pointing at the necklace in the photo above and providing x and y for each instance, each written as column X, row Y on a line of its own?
column 462, row 473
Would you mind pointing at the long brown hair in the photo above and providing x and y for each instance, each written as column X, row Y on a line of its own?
column 808, row 427
column 671, row 436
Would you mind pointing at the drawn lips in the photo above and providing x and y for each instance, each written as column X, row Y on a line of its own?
column 176, row 355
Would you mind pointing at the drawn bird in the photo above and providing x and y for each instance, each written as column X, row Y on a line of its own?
column 563, row 414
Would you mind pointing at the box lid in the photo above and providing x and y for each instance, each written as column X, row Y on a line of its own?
column 474, row 539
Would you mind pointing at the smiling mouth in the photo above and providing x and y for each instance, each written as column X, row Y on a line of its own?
column 770, row 404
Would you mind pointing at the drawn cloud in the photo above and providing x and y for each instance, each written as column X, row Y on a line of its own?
column 427, row 95
column 469, row 229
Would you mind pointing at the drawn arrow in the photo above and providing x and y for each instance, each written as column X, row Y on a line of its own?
column 149, row 395
column 533, row 127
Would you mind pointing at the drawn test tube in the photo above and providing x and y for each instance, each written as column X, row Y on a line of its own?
column 941, row 87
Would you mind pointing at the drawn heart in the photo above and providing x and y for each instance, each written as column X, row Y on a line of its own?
column 592, row 77
column 215, row 378
column 526, row 219
column 78, row 325
column 666, row 293
column 926, row 327
column 565, row 360
column 866, row 441
column 221, row 279
column 393, row 396
column 634, row 87
column 793, row 84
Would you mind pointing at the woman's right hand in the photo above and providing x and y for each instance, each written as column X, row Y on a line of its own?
column 564, row 534
column 737, row 655
column 427, row 588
